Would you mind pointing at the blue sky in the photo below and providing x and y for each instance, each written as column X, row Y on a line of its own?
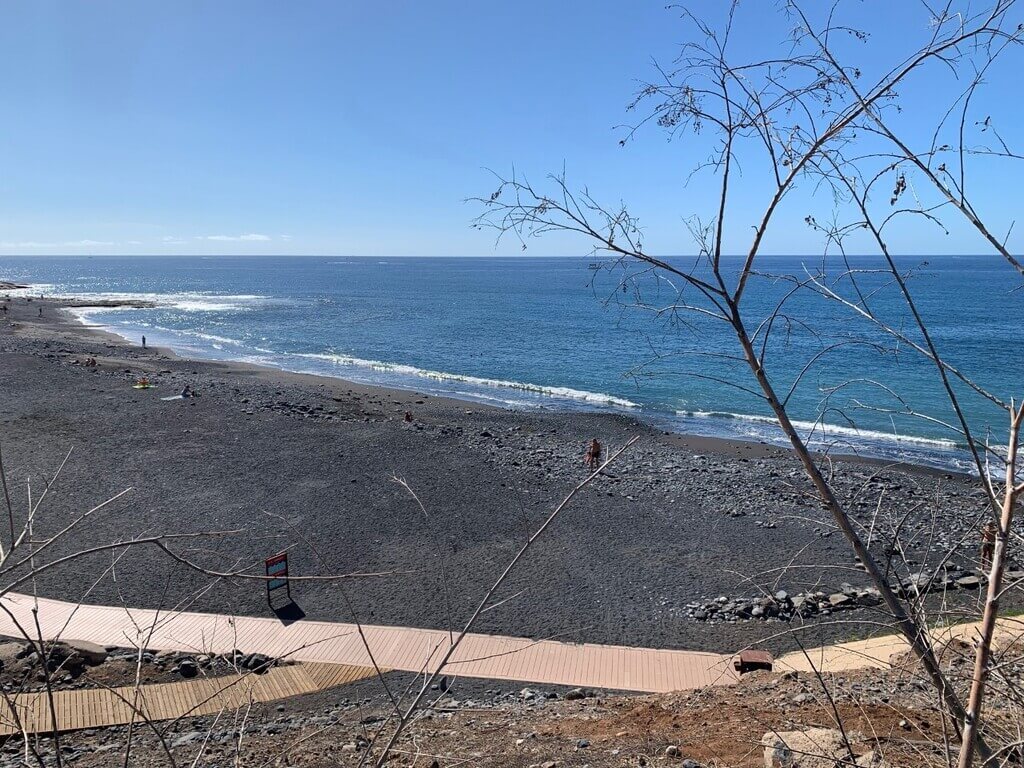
column 360, row 127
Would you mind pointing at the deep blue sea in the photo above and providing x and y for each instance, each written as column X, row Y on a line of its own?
column 555, row 333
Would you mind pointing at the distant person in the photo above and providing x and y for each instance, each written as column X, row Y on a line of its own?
column 187, row 391
column 143, row 342
column 40, row 311
column 988, row 544
column 592, row 458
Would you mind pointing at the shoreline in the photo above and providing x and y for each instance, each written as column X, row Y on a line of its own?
column 650, row 422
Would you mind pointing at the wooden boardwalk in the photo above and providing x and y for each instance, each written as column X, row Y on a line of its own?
column 875, row 652
column 334, row 653
column 98, row 707
column 493, row 657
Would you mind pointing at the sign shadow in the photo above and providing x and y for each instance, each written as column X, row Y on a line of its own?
column 288, row 612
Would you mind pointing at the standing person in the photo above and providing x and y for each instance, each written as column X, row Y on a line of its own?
column 143, row 342
column 988, row 544
column 593, row 454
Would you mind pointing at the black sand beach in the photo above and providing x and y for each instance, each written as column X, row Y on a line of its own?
column 307, row 463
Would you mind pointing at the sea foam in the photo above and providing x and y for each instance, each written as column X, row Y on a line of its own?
column 566, row 393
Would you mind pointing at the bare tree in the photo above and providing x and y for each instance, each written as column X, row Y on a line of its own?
column 809, row 113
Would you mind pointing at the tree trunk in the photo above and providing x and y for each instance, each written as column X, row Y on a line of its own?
column 972, row 718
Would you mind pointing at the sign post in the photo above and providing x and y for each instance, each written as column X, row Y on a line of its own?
column 277, row 576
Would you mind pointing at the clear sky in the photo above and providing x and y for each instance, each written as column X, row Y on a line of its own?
column 359, row 127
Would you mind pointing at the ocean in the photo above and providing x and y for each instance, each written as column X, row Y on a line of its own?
column 557, row 333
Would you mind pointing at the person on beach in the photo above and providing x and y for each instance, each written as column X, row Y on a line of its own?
column 592, row 457
column 143, row 342
column 988, row 544
column 40, row 311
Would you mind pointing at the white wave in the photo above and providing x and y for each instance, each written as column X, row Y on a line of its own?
column 31, row 289
column 191, row 301
column 824, row 431
column 200, row 335
column 566, row 393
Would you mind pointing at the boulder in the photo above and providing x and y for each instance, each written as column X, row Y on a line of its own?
column 10, row 652
column 810, row 748
column 91, row 654
column 257, row 662
column 969, row 582
column 61, row 656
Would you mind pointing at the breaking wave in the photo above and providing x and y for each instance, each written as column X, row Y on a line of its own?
column 823, row 431
column 185, row 302
column 565, row 393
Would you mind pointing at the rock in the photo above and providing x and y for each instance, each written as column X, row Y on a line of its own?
column 61, row 656
column 582, row 744
column 688, row 763
column 27, row 649
column 188, row 738
column 872, row 759
column 92, row 654
column 803, row 698
column 257, row 662
column 918, row 583
column 969, row 582
column 869, row 597
column 575, row 694
column 187, row 668
column 10, row 654
column 672, row 750
column 805, row 606
column 840, row 600
column 811, row 748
